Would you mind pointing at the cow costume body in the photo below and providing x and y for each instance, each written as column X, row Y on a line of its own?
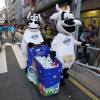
column 32, row 35
column 63, row 43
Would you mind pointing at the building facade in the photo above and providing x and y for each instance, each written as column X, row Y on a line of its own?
column 47, row 7
column 90, row 10
column 18, row 12
column 3, row 13
column 11, row 11
column 7, row 14
column 29, row 5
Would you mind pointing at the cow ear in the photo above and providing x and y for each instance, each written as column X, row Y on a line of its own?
column 54, row 16
column 68, row 8
column 40, row 19
column 28, row 15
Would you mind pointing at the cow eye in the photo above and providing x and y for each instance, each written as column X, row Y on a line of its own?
column 66, row 18
column 36, row 17
column 32, row 17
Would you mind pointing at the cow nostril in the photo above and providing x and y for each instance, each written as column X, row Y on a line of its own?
column 30, row 21
column 69, row 21
column 35, row 22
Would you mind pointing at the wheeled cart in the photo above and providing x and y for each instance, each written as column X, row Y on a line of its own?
column 47, row 80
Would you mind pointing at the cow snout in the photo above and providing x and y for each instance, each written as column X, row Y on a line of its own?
column 36, row 22
column 30, row 21
column 69, row 22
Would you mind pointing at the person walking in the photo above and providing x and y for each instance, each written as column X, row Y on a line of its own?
column 1, row 30
column 6, row 31
column 12, row 31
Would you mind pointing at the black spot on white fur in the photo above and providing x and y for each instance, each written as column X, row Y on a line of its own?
column 30, row 21
column 62, row 15
column 36, row 17
column 69, row 29
column 69, row 22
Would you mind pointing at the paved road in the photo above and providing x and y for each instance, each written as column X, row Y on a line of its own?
column 14, row 84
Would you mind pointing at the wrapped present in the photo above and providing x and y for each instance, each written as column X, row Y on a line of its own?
column 47, row 80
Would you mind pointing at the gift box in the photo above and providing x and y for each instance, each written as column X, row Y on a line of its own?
column 47, row 80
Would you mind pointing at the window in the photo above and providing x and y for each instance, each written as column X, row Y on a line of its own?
column 27, row 7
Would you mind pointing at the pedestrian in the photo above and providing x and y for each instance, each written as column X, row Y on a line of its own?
column 6, row 31
column 55, row 29
column 82, row 28
column 24, row 29
column 42, row 33
column 12, row 31
column 87, row 37
column 48, row 34
column 0, row 42
column 93, row 22
column 1, row 30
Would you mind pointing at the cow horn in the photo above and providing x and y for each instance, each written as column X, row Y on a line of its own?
column 68, row 8
column 57, row 8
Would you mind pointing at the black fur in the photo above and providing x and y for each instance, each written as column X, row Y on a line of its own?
column 69, row 29
column 62, row 15
column 69, row 22
column 30, row 45
column 36, row 22
column 53, row 54
column 30, row 21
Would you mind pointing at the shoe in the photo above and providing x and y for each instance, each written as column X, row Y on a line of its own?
column 62, row 82
column 65, row 76
column 87, row 64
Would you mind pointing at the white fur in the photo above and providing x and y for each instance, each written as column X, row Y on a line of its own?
column 64, row 42
column 32, row 34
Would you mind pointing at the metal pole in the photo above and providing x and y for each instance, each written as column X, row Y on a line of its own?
column 77, row 15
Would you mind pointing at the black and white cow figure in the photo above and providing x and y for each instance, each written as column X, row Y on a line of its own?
column 63, row 44
column 32, row 35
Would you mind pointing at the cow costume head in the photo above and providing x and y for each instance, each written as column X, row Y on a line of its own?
column 34, row 21
column 65, row 21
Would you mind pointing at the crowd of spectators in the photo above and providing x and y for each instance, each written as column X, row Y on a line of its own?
column 88, row 35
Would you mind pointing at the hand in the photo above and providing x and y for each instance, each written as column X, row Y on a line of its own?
column 43, row 43
column 84, row 43
column 30, row 45
column 53, row 54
